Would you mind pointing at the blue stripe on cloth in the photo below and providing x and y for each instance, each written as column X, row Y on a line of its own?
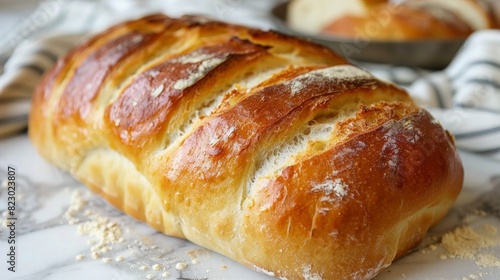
column 34, row 67
column 482, row 152
column 476, row 133
column 469, row 66
column 437, row 92
column 14, row 119
column 481, row 109
column 483, row 82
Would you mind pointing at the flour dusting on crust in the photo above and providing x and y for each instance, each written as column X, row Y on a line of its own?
column 204, row 68
column 339, row 72
column 331, row 189
column 193, row 57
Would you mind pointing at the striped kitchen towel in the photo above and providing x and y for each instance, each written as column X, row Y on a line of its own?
column 464, row 97
column 21, row 73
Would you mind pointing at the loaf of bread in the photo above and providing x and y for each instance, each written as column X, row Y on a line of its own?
column 477, row 14
column 268, row 149
column 401, row 23
column 392, row 20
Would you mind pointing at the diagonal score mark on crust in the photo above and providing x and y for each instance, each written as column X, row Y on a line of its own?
column 215, row 97
column 324, row 128
column 212, row 105
column 265, row 72
column 160, row 99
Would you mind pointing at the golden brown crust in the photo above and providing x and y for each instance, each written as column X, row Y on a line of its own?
column 238, row 139
column 383, row 181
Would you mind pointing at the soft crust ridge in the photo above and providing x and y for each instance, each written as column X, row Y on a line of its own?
column 266, row 148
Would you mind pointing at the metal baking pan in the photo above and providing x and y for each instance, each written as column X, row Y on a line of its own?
column 432, row 54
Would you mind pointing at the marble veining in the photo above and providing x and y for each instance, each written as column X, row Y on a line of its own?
column 48, row 243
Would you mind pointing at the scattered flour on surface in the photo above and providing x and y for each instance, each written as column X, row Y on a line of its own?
column 102, row 230
column 77, row 203
column 107, row 238
column 181, row 266
column 467, row 243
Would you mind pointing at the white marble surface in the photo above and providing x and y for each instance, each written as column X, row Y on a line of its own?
column 47, row 244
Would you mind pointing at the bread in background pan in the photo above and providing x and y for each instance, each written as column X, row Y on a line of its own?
column 312, row 16
column 268, row 149
column 392, row 20
column 401, row 23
